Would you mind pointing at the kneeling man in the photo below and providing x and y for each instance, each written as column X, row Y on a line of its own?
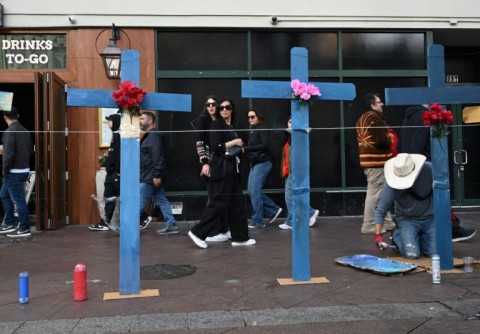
column 408, row 187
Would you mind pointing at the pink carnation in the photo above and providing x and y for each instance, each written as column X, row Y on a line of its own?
column 304, row 91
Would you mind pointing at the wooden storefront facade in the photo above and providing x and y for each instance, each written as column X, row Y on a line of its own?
column 84, row 69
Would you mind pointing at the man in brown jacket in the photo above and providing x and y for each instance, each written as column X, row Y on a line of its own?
column 375, row 148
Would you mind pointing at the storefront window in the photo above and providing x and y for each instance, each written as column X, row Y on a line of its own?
column 271, row 50
column 214, row 56
column 383, row 51
column 207, row 51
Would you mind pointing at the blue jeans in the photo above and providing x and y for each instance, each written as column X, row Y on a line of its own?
column 262, row 205
column 289, row 201
column 158, row 197
column 13, row 192
column 415, row 237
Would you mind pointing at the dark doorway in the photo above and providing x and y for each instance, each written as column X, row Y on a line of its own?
column 23, row 100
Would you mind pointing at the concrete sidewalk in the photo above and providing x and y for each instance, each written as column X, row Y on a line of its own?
column 234, row 289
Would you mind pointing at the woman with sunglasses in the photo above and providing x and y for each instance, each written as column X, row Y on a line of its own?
column 225, row 188
column 202, row 125
column 260, row 166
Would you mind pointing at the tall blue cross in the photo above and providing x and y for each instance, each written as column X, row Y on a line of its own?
column 437, row 92
column 129, row 163
column 300, row 163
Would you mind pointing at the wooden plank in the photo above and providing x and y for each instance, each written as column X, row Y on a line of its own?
column 281, row 90
column 313, row 280
column 141, row 294
column 300, row 176
column 422, row 95
column 90, row 98
column 167, row 102
column 129, row 265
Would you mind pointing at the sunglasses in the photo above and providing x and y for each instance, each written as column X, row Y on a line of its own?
column 229, row 107
column 251, row 117
column 210, row 104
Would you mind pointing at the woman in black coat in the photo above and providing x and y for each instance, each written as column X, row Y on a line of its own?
column 225, row 188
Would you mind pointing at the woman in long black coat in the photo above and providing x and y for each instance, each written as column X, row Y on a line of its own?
column 225, row 187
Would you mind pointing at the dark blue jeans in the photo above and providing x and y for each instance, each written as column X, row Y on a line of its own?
column 158, row 196
column 289, row 201
column 13, row 192
column 262, row 205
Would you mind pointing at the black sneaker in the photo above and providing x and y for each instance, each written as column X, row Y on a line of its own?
column 145, row 223
column 460, row 233
column 7, row 229
column 19, row 233
column 173, row 229
column 101, row 226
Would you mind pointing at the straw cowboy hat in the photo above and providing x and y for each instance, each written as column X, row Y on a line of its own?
column 402, row 171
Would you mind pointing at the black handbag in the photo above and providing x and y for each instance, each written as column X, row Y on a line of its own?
column 233, row 152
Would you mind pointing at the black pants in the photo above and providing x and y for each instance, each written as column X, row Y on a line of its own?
column 225, row 209
column 112, row 189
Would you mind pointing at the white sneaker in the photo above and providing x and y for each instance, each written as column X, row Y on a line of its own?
column 285, row 226
column 313, row 218
column 217, row 238
column 199, row 242
column 276, row 216
column 249, row 242
column 228, row 234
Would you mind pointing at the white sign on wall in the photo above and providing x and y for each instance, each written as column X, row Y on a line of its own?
column 32, row 51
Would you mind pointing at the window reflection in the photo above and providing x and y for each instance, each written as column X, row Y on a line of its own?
column 383, row 51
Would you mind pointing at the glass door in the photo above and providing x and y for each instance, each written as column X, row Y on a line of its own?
column 465, row 156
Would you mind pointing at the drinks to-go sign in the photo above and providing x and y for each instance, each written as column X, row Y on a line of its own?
column 32, row 51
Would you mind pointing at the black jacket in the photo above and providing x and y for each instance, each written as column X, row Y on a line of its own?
column 221, row 167
column 17, row 148
column 258, row 145
column 152, row 156
column 113, row 158
column 414, row 136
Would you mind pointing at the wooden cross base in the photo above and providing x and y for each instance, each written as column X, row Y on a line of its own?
column 313, row 280
column 142, row 294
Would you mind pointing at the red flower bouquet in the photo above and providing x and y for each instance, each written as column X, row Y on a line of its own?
column 438, row 119
column 128, row 97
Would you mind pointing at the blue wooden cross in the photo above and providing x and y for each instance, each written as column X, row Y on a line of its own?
column 130, row 164
column 300, row 148
column 437, row 92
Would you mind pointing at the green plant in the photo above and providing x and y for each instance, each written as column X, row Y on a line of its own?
column 102, row 160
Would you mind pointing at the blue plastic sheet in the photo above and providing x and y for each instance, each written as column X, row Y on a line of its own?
column 376, row 264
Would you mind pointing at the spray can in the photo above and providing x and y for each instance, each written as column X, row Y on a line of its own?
column 23, row 288
column 80, row 282
column 436, row 269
